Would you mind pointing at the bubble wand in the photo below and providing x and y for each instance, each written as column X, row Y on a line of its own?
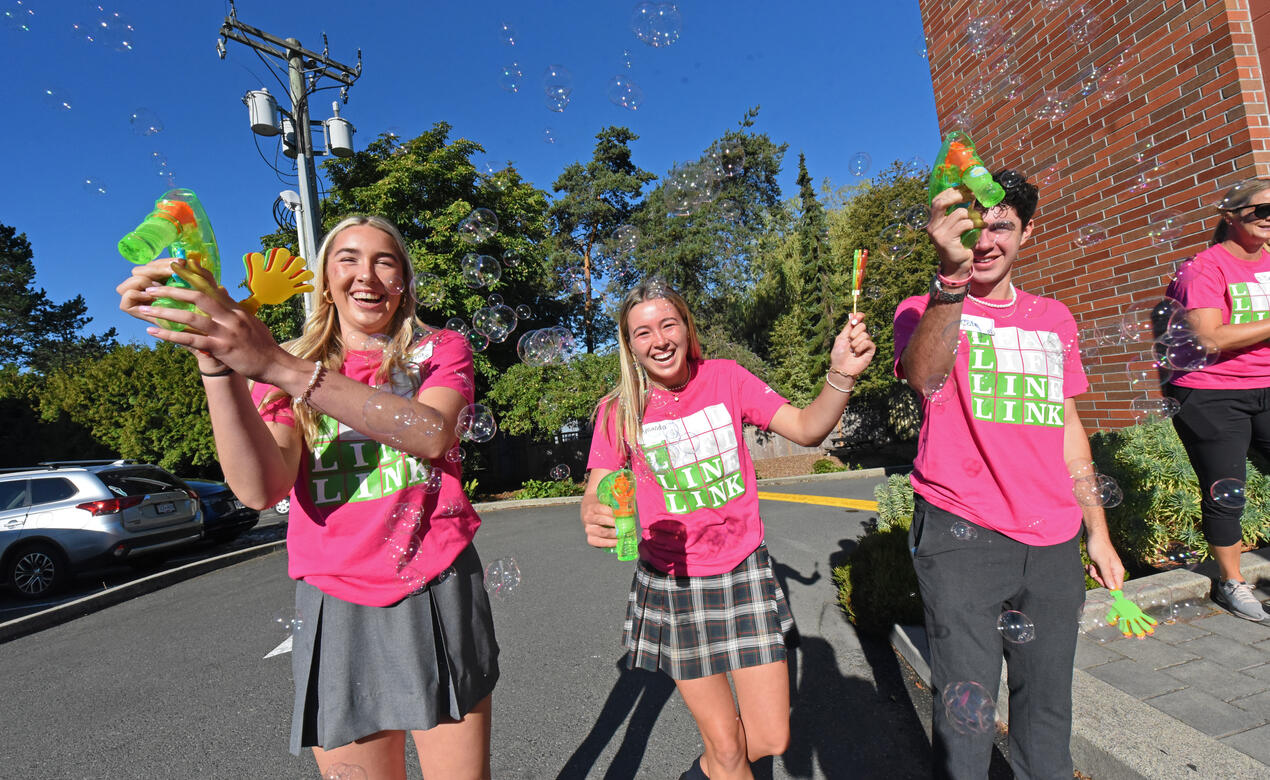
column 858, row 261
column 617, row 490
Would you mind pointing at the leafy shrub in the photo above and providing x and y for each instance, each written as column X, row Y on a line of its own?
column 536, row 488
column 895, row 502
column 827, row 466
column 1160, row 512
column 877, row 586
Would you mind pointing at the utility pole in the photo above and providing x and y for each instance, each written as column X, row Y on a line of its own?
column 305, row 69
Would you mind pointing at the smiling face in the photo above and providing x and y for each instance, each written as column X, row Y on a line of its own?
column 660, row 341
column 364, row 278
column 998, row 246
column 1245, row 226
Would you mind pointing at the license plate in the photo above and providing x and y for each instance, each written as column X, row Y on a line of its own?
column 165, row 508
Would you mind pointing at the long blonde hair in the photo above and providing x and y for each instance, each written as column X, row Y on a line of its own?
column 322, row 339
column 623, row 406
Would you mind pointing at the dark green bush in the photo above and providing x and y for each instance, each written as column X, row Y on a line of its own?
column 1160, row 513
column 877, row 586
column 827, row 466
column 536, row 488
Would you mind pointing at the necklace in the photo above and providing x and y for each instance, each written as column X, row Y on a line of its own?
column 674, row 391
column 1014, row 298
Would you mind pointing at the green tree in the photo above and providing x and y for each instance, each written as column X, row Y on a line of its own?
column 593, row 201
column 35, row 332
column 541, row 400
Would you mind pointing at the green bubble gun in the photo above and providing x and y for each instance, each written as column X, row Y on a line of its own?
column 1130, row 616
column 959, row 165
column 617, row 490
column 179, row 224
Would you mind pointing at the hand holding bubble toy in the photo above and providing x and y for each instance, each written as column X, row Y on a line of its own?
column 958, row 165
column 1130, row 616
column 617, row 490
column 858, row 261
column 180, row 224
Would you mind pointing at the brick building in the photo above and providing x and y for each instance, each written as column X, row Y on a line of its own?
column 1132, row 116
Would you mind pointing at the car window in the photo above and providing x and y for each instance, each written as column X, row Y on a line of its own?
column 50, row 489
column 12, row 494
column 138, row 482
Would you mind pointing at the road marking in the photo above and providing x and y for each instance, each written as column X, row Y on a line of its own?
column 285, row 647
column 844, row 503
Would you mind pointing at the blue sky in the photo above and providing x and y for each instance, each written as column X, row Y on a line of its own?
column 833, row 78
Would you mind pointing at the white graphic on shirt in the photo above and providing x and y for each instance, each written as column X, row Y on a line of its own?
column 695, row 459
column 1016, row 376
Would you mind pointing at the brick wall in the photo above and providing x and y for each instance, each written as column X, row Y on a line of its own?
column 1180, row 115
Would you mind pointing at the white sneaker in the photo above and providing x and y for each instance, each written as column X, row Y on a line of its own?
column 1238, row 597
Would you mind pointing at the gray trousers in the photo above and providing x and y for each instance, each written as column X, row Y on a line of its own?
column 967, row 580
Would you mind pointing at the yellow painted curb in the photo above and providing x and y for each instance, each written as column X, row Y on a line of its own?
column 844, row 503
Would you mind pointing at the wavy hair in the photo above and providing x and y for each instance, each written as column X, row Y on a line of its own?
column 623, row 406
column 322, row 340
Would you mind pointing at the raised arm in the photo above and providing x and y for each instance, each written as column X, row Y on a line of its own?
column 852, row 351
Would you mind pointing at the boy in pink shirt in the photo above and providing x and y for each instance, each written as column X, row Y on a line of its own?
column 996, row 526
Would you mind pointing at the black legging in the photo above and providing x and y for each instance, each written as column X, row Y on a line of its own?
column 1217, row 427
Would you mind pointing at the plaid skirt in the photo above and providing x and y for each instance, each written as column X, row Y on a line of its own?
column 691, row 627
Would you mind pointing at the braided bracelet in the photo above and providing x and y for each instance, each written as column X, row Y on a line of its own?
column 318, row 370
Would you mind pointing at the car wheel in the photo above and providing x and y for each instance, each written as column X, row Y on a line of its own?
column 283, row 507
column 38, row 570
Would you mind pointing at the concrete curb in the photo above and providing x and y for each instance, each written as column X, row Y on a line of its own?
column 1115, row 736
column 524, row 503
column 29, row 624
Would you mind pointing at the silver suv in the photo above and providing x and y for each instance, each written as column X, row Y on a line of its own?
column 67, row 516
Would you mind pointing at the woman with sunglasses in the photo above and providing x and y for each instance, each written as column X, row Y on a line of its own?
column 1225, row 406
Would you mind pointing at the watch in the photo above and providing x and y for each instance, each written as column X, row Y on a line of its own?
column 939, row 293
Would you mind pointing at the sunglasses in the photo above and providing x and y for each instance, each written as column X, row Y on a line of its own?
column 1259, row 211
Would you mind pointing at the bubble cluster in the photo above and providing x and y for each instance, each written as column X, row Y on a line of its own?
column 502, row 577
column 1016, row 627
column 545, row 346
column 1228, row 493
column 496, row 322
column 476, row 424
column 656, row 24
column 969, row 707
column 560, row 471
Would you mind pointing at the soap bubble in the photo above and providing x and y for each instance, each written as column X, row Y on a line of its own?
column 1147, row 375
column 1147, row 408
column 429, row 290
column 494, row 300
column 1015, row 627
column 922, row 47
column 523, row 312
column 1051, row 106
column 17, row 17
column 394, row 285
column 511, row 77
column 1083, row 25
column 93, row 185
column 292, row 621
column 1086, row 82
column 859, row 164
column 963, row 531
column 502, row 576
column 1010, row 86
column 1228, row 493
column 388, row 413
column 1176, row 555
column 916, row 217
column 560, row 471
column 728, row 157
column 161, row 167
column 1091, row 233
column 1048, row 175
column 511, row 258
column 344, row 772
column 507, row 33
column 145, row 122
column 476, row 423
column 454, row 454
column 477, row 341
column 970, row 708
column 688, row 187
column 1143, row 320
column 480, row 270
column 557, row 79
column 108, row 28
column 915, row 167
column 625, row 238
column 478, row 227
column 895, row 240
column 1097, row 490
column 457, row 325
column 57, row 98
column 625, row 93
column 1190, row 354
column 656, row 24
column 495, row 321
column 548, row 135
column 556, row 101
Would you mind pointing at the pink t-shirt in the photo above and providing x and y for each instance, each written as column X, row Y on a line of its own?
column 695, row 488
column 991, row 444
column 1240, row 290
column 365, row 525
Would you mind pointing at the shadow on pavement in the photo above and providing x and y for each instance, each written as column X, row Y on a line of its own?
column 640, row 694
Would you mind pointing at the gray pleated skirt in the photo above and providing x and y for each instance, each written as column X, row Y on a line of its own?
column 358, row 670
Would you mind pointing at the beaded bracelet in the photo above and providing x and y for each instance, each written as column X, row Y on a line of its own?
column 226, row 372
column 318, row 370
column 829, row 382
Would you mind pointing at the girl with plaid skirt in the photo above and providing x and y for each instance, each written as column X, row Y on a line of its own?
column 394, row 638
column 704, row 603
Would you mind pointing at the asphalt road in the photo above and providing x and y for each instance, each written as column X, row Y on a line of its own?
column 176, row 684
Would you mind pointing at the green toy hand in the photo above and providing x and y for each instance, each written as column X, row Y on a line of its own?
column 1133, row 621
